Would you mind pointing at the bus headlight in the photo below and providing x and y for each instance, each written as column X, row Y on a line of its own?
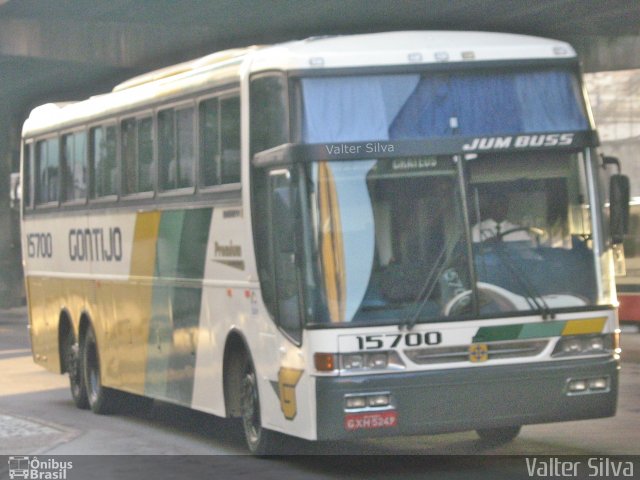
column 367, row 361
column 584, row 345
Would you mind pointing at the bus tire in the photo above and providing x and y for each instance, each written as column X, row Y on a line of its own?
column 73, row 364
column 102, row 400
column 259, row 440
column 498, row 436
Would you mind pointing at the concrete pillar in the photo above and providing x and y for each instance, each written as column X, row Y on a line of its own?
column 11, row 276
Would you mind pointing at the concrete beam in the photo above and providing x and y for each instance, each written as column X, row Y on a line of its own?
column 600, row 53
column 112, row 44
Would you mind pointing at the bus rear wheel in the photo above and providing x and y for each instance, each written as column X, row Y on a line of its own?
column 498, row 436
column 260, row 441
column 74, row 368
column 100, row 398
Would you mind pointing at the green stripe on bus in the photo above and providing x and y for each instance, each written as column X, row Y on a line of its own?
column 181, row 250
column 539, row 330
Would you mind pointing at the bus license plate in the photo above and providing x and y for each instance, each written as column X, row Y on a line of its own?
column 365, row 421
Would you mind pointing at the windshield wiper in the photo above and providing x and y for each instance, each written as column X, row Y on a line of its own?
column 532, row 296
column 427, row 289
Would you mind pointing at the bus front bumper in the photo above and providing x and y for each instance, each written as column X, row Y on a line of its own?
column 466, row 398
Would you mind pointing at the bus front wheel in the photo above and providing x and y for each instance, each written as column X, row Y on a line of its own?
column 259, row 440
column 100, row 398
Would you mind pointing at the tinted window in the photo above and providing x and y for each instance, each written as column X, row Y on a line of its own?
column 75, row 165
column 47, row 171
column 176, row 148
column 230, row 139
column 137, row 155
column 26, row 175
column 209, row 143
column 220, row 140
column 269, row 125
column 103, row 161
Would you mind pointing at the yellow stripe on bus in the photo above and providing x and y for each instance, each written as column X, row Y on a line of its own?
column 584, row 326
column 143, row 255
column 331, row 241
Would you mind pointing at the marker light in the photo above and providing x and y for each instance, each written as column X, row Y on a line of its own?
column 316, row 61
column 560, row 50
column 441, row 56
column 324, row 362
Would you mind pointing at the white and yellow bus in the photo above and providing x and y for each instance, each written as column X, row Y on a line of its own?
column 335, row 238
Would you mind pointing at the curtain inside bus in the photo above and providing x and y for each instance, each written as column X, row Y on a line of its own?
column 382, row 107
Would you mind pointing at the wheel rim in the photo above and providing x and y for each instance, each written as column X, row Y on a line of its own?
column 93, row 371
column 250, row 406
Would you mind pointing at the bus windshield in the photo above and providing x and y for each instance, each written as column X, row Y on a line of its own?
column 392, row 237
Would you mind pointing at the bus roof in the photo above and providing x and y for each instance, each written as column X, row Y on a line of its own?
column 365, row 50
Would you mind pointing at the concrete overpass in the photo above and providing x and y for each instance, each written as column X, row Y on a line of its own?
column 69, row 49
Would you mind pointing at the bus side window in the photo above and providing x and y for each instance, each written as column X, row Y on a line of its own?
column 47, row 171
column 230, row 139
column 103, row 158
column 137, row 155
column 74, row 166
column 176, row 136
column 26, row 175
column 269, row 119
column 283, row 251
column 209, row 142
column 220, row 140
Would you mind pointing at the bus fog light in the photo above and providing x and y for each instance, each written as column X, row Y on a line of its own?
column 599, row 383
column 378, row 400
column 355, row 402
column 577, row 385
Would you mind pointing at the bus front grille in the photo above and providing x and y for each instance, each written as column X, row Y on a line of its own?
column 461, row 353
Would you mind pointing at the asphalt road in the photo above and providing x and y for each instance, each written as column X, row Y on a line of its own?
column 37, row 417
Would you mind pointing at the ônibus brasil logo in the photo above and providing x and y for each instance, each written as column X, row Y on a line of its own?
column 33, row 468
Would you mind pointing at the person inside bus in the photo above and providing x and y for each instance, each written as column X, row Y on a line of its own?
column 493, row 224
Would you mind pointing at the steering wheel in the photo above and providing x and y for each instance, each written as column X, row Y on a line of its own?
column 538, row 232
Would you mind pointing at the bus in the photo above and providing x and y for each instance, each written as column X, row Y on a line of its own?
column 628, row 285
column 286, row 235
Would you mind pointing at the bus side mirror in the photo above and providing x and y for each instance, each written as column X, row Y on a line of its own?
column 15, row 193
column 618, row 207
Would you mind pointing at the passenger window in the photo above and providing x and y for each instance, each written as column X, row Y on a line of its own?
column 209, row 143
column 220, row 140
column 137, row 155
column 176, row 148
column 230, row 139
column 102, row 154
column 74, row 166
column 47, row 171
